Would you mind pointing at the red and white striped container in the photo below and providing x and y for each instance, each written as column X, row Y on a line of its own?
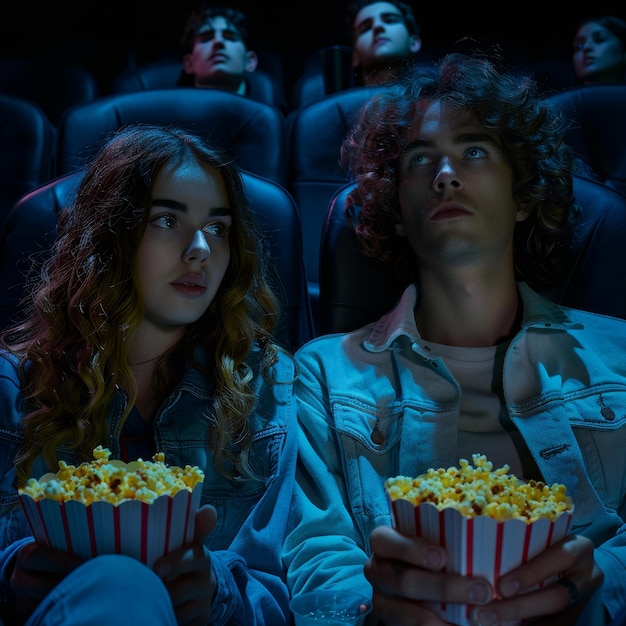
column 134, row 528
column 477, row 546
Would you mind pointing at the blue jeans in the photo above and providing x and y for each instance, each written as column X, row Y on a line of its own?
column 107, row 589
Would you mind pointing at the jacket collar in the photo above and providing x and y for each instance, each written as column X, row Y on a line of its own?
column 400, row 320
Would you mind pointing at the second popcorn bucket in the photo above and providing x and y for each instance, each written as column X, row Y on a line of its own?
column 483, row 539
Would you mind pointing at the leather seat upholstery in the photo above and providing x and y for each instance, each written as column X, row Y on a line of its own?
column 598, row 130
column 30, row 231
column 165, row 75
column 355, row 290
column 253, row 133
column 53, row 85
column 28, row 142
column 315, row 134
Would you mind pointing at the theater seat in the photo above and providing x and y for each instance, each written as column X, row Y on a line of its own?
column 253, row 133
column 315, row 134
column 53, row 85
column 30, row 231
column 354, row 290
column 166, row 74
column 27, row 145
column 598, row 130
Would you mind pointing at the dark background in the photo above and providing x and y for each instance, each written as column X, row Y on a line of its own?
column 100, row 32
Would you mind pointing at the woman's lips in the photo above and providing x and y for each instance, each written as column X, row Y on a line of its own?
column 189, row 290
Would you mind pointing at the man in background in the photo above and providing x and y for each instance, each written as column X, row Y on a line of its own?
column 216, row 52
column 385, row 36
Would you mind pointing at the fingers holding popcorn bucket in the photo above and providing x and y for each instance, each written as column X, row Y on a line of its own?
column 489, row 521
column 143, row 509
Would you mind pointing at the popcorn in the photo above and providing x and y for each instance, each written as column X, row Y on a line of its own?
column 489, row 520
column 143, row 509
column 480, row 490
column 114, row 481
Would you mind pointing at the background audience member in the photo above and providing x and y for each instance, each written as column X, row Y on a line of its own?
column 464, row 191
column 600, row 51
column 216, row 50
column 150, row 330
column 385, row 36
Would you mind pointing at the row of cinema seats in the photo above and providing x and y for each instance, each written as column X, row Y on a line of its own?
column 295, row 172
column 55, row 83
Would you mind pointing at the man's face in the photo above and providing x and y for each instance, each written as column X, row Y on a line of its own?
column 218, row 55
column 455, row 190
column 380, row 35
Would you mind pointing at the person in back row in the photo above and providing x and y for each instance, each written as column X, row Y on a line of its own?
column 150, row 329
column 216, row 50
column 465, row 191
column 385, row 37
column 599, row 54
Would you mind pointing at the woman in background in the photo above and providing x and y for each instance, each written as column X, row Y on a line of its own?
column 599, row 54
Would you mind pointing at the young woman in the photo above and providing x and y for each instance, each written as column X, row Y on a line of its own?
column 150, row 329
column 599, row 54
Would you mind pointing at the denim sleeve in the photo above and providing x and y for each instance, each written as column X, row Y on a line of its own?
column 251, row 586
column 324, row 548
column 611, row 559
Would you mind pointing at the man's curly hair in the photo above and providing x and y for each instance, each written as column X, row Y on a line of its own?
column 531, row 137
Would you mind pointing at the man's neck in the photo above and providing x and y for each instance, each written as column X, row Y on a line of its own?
column 470, row 313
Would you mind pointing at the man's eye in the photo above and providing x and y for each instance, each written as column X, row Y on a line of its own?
column 476, row 152
column 419, row 159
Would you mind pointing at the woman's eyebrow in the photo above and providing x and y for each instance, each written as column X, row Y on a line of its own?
column 174, row 205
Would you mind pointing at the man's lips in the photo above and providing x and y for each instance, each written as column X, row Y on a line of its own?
column 448, row 211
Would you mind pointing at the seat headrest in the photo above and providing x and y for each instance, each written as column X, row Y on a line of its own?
column 355, row 290
column 598, row 129
column 252, row 132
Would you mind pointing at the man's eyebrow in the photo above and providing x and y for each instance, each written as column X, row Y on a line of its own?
column 458, row 139
column 174, row 205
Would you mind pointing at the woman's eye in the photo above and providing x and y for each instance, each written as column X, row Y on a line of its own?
column 164, row 221
column 217, row 229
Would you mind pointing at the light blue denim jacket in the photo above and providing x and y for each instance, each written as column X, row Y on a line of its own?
column 251, row 514
column 375, row 403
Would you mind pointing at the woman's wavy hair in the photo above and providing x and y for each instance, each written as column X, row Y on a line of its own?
column 531, row 136
column 85, row 307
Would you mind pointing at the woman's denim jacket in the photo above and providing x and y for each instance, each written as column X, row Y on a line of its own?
column 251, row 514
column 374, row 403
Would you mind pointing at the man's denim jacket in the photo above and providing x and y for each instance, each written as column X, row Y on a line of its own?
column 375, row 403
column 251, row 514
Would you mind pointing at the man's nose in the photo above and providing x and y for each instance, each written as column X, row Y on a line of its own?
column 446, row 176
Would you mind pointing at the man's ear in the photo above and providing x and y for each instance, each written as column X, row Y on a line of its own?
column 187, row 66
column 522, row 213
column 400, row 230
column 416, row 44
column 252, row 61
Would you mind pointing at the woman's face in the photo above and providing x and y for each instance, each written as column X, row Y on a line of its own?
column 598, row 56
column 185, row 251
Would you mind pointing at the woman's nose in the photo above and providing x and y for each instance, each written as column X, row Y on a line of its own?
column 446, row 176
column 198, row 249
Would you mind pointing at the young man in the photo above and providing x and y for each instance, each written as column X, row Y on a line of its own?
column 465, row 190
column 216, row 53
column 385, row 35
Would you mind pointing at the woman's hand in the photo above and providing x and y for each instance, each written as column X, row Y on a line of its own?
column 188, row 575
column 405, row 572
column 38, row 569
